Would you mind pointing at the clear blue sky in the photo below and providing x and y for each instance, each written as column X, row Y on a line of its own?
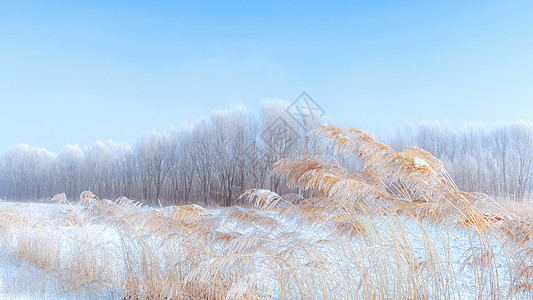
column 73, row 72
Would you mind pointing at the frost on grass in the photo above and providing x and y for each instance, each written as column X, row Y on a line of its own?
column 419, row 162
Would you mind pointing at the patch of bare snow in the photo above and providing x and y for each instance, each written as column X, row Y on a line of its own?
column 419, row 162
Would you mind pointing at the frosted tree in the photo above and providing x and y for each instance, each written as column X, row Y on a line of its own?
column 69, row 167
column 521, row 158
column 279, row 135
column 25, row 170
column 233, row 129
column 153, row 151
column 202, row 160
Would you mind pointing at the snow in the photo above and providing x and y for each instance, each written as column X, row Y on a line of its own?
column 419, row 162
column 13, row 269
column 327, row 174
column 197, row 207
column 241, row 209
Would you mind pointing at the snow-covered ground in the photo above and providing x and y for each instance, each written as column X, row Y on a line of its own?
column 22, row 278
column 15, row 273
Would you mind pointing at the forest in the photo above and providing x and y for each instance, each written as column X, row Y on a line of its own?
column 214, row 160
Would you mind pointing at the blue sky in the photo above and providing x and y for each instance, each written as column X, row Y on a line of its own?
column 74, row 72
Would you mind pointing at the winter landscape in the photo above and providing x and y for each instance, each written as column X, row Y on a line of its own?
column 280, row 150
column 396, row 227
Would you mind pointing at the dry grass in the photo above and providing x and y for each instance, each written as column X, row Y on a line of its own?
column 523, row 208
column 399, row 228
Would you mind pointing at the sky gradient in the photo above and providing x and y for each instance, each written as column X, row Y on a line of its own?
column 74, row 73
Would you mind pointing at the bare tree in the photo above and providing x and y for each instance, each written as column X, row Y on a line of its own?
column 153, row 151
column 521, row 138
column 69, row 167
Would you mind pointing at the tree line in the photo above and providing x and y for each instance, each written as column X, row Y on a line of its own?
column 212, row 161
column 497, row 161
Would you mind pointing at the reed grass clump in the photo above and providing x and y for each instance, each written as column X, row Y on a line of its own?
column 397, row 228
